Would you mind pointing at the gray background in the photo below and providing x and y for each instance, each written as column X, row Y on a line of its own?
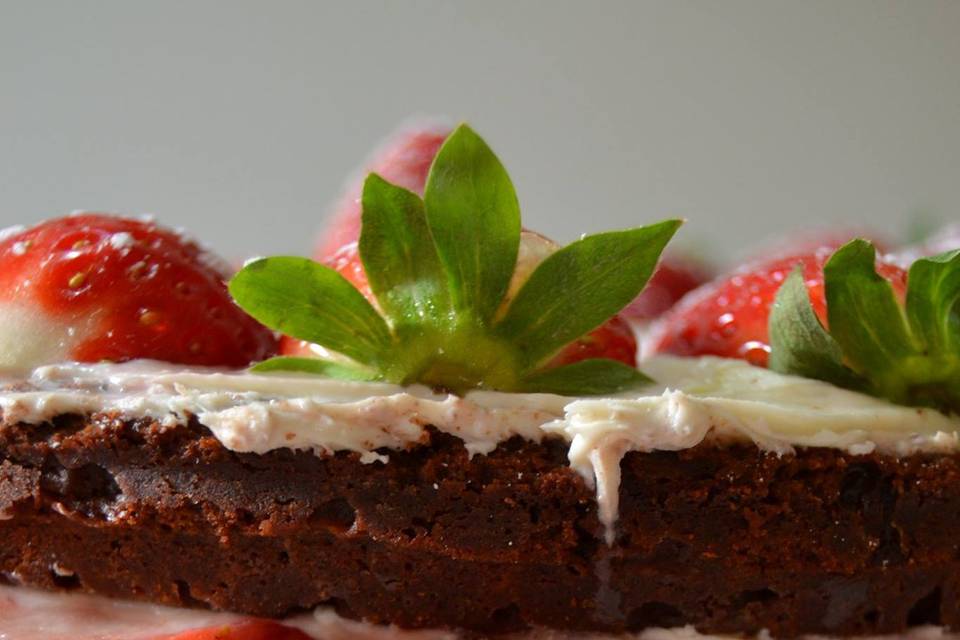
column 241, row 120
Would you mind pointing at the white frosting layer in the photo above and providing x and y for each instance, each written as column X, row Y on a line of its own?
column 731, row 400
column 259, row 413
column 694, row 398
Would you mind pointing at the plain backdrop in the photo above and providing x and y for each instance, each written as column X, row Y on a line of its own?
column 241, row 120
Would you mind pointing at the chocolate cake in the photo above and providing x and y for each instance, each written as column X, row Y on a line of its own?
column 727, row 539
column 443, row 425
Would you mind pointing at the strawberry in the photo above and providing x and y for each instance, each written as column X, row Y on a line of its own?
column 93, row 287
column 404, row 160
column 248, row 630
column 889, row 335
column 729, row 316
column 672, row 280
column 614, row 339
column 433, row 293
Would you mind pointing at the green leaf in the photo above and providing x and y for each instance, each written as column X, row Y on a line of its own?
column 905, row 353
column 933, row 302
column 473, row 214
column 399, row 256
column 581, row 286
column 439, row 269
column 933, row 311
column 312, row 302
column 588, row 377
column 799, row 344
column 864, row 316
column 316, row 366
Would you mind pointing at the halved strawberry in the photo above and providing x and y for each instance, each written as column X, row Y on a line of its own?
column 247, row 630
column 614, row 339
column 729, row 316
column 95, row 287
column 404, row 160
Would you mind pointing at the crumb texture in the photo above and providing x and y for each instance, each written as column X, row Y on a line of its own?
column 725, row 539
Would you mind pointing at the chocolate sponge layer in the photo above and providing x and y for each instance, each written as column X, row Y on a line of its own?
column 728, row 539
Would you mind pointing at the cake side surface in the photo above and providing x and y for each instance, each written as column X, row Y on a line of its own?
column 726, row 538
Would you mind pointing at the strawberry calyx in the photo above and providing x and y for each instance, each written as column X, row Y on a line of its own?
column 877, row 338
column 447, row 311
column 615, row 339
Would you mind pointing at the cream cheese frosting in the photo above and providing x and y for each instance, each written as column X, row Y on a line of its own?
column 693, row 399
column 729, row 399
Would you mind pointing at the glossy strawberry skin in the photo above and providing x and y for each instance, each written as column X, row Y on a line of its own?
column 248, row 630
column 405, row 161
column 132, row 290
column 346, row 261
column 729, row 316
column 615, row 339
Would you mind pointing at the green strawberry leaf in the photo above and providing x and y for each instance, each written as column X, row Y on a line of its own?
column 312, row 302
column 474, row 217
column 439, row 270
column 933, row 311
column 933, row 302
column 399, row 256
column 865, row 317
column 592, row 377
column 799, row 344
column 316, row 366
column 908, row 353
column 582, row 285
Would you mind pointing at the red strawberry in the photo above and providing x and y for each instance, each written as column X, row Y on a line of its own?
column 672, row 280
column 614, row 340
column 94, row 287
column 405, row 160
column 728, row 317
column 346, row 262
column 249, row 630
